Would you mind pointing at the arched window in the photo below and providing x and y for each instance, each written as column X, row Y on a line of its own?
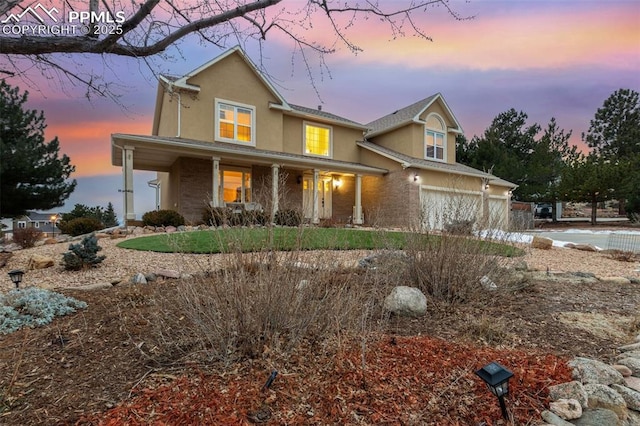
column 435, row 138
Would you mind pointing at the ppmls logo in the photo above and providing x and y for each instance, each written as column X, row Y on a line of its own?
column 39, row 20
column 34, row 12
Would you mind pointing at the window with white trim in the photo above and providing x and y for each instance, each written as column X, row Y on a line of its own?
column 22, row 224
column 435, row 138
column 317, row 140
column 235, row 185
column 235, row 122
column 37, row 224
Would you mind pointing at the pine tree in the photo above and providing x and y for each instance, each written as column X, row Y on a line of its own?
column 32, row 175
column 109, row 217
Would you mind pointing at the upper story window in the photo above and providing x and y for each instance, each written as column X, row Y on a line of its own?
column 435, row 138
column 235, row 122
column 317, row 140
column 22, row 224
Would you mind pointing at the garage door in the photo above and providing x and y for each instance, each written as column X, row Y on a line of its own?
column 498, row 213
column 442, row 207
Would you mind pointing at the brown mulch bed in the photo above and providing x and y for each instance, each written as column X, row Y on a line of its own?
column 93, row 367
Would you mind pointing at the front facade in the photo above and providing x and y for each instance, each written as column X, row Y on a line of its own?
column 223, row 136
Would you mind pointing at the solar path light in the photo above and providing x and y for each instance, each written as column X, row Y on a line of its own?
column 16, row 276
column 497, row 379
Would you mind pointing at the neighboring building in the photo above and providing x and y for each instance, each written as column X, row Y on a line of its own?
column 45, row 222
column 223, row 135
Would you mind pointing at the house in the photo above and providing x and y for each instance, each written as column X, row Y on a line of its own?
column 223, row 135
column 45, row 222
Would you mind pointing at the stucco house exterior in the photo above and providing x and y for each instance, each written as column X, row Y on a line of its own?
column 223, row 135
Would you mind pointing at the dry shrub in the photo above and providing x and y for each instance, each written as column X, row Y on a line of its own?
column 490, row 330
column 264, row 302
column 26, row 237
column 622, row 255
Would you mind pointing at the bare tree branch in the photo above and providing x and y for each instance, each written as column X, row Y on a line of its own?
column 147, row 28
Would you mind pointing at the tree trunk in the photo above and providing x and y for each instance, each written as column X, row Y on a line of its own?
column 594, row 209
column 621, row 209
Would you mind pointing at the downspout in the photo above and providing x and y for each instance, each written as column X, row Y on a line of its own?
column 179, row 116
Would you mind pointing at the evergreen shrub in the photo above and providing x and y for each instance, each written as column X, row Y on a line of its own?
column 80, row 226
column 83, row 255
column 163, row 218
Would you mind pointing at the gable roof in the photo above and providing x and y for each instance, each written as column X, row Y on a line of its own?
column 321, row 115
column 410, row 114
column 407, row 161
column 182, row 82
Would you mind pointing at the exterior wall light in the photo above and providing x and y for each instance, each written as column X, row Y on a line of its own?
column 16, row 277
column 497, row 379
column 486, row 186
column 337, row 183
column 415, row 177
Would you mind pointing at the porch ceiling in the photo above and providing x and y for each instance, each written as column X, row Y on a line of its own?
column 154, row 153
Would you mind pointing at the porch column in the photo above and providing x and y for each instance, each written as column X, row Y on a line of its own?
column 357, row 219
column 127, row 183
column 275, row 168
column 215, row 193
column 314, row 216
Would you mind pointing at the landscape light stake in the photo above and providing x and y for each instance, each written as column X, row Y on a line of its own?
column 16, row 277
column 270, row 380
column 497, row 379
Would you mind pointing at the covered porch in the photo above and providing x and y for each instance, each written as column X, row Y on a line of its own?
column 195, row 175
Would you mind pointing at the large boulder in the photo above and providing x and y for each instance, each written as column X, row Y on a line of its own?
column 542, row 243
column 602, row 396
column 597, row 417
column 630, row 396
column 567, row 409
column 38, row 261
column 589, row 371
column 406, row 301
column 569, row 390
column 633, row 364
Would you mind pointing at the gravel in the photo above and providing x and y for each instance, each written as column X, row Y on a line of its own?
column 122, row 264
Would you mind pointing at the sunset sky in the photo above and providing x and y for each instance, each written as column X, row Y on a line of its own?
column 555, row 58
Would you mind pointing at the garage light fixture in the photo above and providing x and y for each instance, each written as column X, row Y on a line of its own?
column 497, row 379
column 415, row 177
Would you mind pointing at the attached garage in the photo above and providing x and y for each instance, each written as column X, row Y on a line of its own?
column 498, row 212
column 442, row 207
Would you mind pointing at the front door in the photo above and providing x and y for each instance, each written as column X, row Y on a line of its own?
column 324, row 197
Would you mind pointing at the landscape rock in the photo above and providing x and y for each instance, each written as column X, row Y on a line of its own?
column 554, row 419
column 585, row 247
column 181, row 228
column 170, row 229
column 597, row 417
column 615, row 280
column 167, row 273
column 38, row 261
column 630, row 396
column 630, row 347
column 137, row 231
column 49, row 241
column 568, row 409
column 633, row 419
column 96, row 286
column 521, row 265
column 151, row 277
column 632, row 383
column 623, row 369
column 388, row 259
column 139, row 278
column 487, row 284
column 570, row 390
column 602, row 396
column 101, row 235
column 406, row 301
column 542, row 243
column 633, row 364
column 591, row 371
column 630, row 354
